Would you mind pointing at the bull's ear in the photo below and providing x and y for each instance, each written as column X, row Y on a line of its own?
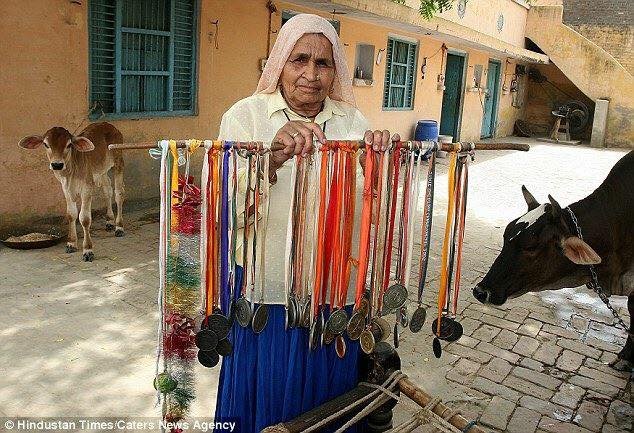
column 82, row 144
column 580, row 252
column 530, row 200
column 555, row 209
column 31, row 142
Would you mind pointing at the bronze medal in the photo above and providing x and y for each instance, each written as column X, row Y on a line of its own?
column 328, row 336
column 337, row 321
column 260, row 318
column 206, row 340
column 340, row 346
column 356, row 325
column 380, row 328
column 224, row 347
column 367, row 341
column 394, row 297
column 456, row 332
column 418, row 319
column 218, row 323
column 364, row 306
column 243, row 312
column 446, row 328
column 208, row 358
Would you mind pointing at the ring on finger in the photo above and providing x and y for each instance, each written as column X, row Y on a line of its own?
column 294, row 134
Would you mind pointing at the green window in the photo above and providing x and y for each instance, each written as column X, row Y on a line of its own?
column 400, row 68
column 142, row 57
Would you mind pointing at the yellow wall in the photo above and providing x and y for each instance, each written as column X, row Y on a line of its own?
column 44, row 83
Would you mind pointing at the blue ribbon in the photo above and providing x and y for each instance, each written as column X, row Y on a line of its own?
column 224, row 231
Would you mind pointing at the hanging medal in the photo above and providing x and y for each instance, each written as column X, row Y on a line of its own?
column 420, row 314
column 207, row 338
column 376, row 330
column 244, row 311
column 318, row 296
column 445, row 327
column 357, row 322
column 261, row 315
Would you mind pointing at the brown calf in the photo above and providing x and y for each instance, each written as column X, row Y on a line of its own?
column 81, row 164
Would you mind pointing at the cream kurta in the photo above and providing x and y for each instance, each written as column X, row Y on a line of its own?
column 258, row 118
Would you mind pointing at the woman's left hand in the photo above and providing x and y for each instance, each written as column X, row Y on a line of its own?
column 379, row 140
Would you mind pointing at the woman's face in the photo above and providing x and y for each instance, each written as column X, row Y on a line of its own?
column 309, row 72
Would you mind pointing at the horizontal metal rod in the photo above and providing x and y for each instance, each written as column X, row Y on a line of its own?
column 421, row 145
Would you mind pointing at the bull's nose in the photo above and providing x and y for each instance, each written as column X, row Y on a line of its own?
column 57, row 165
column 481, row 294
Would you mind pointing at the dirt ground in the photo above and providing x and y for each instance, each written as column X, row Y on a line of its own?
column 79, row 339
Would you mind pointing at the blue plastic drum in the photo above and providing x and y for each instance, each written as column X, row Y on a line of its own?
column 426, row 130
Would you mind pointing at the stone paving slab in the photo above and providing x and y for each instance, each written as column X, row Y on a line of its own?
column 79, row 338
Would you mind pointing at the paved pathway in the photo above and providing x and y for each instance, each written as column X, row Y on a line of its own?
column 79, row 338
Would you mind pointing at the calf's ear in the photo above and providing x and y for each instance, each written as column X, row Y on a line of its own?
column 82, row 144
column 530, row 199
column 580, row 252
column 31, row 142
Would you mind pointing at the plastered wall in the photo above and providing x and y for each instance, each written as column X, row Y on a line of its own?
column 44, row 83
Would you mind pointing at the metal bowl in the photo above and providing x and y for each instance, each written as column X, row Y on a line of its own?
column 32, row 245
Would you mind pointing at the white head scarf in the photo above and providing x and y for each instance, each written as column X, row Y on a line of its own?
column 288, row 35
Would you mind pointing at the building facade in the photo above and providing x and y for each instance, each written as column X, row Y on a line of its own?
column 169, row 69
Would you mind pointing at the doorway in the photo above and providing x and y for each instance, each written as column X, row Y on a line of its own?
column 452, row 97
column 491, row 98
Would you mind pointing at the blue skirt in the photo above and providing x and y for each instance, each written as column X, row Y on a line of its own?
column 273, row 376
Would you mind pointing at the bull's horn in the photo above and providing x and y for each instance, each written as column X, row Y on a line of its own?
column 530, row 199
column 556, row 209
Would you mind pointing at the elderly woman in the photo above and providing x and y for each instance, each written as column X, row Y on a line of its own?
column 305, row 93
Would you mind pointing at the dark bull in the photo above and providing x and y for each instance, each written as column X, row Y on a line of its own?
column 542, row 251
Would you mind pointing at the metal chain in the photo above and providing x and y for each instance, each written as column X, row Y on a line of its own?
column 594, row 284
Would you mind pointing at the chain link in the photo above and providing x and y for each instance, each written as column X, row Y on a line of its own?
column 594, row 284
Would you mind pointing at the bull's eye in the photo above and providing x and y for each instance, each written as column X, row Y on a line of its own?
column 45, row 145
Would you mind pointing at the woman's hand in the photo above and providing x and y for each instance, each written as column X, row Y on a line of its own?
column 297, row 138
column 380, row 141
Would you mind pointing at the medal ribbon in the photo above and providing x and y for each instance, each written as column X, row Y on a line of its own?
column 366, row 222
column 396, row 163
column 464, row 179
column 224, row 230
column 428, row 214
column 321, row 227
column 442, row 292
column 349, row 199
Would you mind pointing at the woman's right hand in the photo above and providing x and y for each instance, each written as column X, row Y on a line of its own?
column 297, row 139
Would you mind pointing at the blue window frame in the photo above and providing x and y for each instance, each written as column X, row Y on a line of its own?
column 400, row 68
column 142, row 58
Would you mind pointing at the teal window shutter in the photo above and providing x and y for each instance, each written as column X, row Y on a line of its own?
column 151, row 68
column 400, row 67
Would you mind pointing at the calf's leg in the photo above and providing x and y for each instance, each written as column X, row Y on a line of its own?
column 85, row 218
column 106, row 185
column 119, row 192
column 71, row 216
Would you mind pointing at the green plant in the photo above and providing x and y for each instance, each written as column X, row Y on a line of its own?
column 429, row 8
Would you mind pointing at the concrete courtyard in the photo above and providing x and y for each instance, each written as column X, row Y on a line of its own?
column 79, row 339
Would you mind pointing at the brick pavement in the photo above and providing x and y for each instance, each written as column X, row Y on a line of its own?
column 79, row 338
